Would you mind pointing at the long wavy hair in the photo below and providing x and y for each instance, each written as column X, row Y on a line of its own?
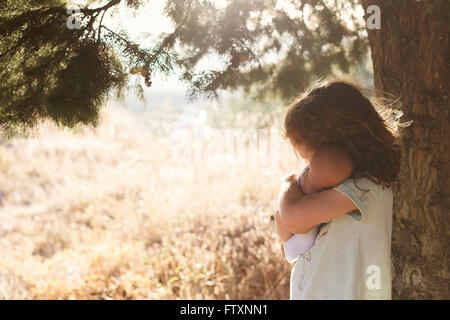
column 337, row 113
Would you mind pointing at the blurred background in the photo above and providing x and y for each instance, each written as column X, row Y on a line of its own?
column 122, row 211
column 126, row 210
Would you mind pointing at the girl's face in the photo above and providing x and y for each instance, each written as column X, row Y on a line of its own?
column 304, row 151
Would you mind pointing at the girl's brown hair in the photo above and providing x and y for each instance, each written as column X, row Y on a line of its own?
column 337, row 113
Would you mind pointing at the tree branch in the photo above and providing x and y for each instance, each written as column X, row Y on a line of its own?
column 110, row 4
column 100, row 26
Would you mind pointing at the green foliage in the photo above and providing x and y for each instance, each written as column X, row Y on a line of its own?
column 247, row 33
column 83, row 84
column 50, row 71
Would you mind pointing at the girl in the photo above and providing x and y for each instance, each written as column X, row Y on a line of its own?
column 351, row 255
column 327, row 167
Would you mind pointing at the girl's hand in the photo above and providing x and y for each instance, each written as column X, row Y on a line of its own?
column 282, row 232
column 290, row 192
column 289, row 195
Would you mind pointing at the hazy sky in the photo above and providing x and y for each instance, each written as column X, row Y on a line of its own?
column 144, row 27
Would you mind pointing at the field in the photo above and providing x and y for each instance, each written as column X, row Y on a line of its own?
column 105, row 214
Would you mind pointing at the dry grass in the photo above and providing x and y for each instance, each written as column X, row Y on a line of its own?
column 102, row 214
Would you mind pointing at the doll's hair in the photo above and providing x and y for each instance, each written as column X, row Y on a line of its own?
column 338, row 113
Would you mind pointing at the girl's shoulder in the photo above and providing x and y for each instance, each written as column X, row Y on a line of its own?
column 365, row 185
column 367, row 195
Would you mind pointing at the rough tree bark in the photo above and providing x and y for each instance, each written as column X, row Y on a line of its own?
column 411, row 56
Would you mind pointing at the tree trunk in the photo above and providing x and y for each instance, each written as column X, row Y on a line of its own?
column 410, row 56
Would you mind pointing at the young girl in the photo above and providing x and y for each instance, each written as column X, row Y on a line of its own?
column 351, row 255
column 327, row 167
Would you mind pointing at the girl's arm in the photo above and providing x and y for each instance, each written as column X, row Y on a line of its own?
column 310, row 210
column 282, row 232
column 329, row 167
column 290, row 194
